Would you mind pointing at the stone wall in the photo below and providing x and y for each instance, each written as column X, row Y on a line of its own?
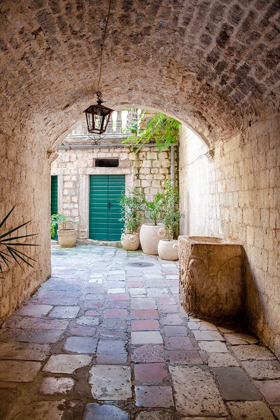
column 237, row 196
column 147, row 169
column 25, row 183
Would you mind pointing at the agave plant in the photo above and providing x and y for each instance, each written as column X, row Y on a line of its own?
column 8, row 246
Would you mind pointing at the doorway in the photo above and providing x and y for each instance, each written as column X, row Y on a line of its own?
column 104, row 208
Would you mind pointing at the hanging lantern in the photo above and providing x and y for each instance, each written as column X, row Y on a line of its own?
column 98, row 116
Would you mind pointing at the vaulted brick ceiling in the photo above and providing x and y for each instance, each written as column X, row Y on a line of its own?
column 213, row 64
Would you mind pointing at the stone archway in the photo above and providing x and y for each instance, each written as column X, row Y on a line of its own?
column 212, row 65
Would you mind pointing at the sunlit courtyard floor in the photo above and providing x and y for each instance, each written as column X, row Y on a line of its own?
column 105, row 338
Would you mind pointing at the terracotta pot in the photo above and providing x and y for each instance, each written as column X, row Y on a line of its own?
column 130, row 241
column 168, row 250
column 150, row 236
column 67, row 237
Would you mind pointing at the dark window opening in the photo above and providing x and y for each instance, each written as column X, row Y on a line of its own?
column 106, row 163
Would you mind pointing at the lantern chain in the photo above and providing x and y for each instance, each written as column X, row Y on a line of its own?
column 102, row 47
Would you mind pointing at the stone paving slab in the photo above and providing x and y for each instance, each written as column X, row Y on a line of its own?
column 18, row 371
column 66, row 363
column 198, row 394
column 24, row 351
column 110, row 382
column 52, row 386
column 86, row 345
column 235, row 385
column 263, row 369
column 250, row 410
column 102, row 412
column 44, row 410
column 154, row 396
column 114, row 341
column 34, row 310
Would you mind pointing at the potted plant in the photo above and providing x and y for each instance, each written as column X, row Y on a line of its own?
column 132, row 214
column 67, row 237
column 168, row 247
column 150, row 233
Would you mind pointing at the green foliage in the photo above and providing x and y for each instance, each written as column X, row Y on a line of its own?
column 154, row 209
column 161, row 129
column 132, row 210
column 172, row 215
column 57, row 219
column 8, row 252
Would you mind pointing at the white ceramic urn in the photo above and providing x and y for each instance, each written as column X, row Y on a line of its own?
column 150, row 236
column 130, row 242
column 168, row 249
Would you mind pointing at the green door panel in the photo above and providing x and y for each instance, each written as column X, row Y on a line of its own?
column 54, row 199
column 104, row 209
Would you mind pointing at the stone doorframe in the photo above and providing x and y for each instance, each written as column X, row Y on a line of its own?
column 84, row 193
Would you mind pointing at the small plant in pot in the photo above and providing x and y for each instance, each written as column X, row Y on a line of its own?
column 67, row 237
column 151, row 232
column 168, row 247
column 132, row 215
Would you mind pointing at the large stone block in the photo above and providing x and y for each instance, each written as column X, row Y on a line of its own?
column 211, row 277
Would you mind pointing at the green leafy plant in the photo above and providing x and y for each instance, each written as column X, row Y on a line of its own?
column 8, row 246
column 162, row 130
column 171, row 218
column 57, row 219
column 132, row 210
column 153, row 209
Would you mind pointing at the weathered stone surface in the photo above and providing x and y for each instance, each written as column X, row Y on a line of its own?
column 154, row 396
column 213, row 346
column 64, row 312
column 24, row 351
column 81, row 344
column 101, row 412
column 154, row 415
column 270, row 390
column 253, row 352
column 146, row 337
column 198, row 394
column 263, row 369
column 66, row 363
column 111, row 347
column 43, row 410
column 221, row 360
column 110, row 382
column 150, row 372
column 87, row 320
column 235, row 385
column 32, row 336
column 238, row 338
column 250, row 410
column 18, row 371
column 148, row 353
column 34, row 310
column 51, row 386
column 211, row 281
column 208, row 336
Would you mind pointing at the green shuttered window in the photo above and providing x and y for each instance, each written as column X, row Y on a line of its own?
column 54, row 200
column 104, row 209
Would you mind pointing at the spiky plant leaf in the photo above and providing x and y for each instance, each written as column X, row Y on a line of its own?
column 8, row 253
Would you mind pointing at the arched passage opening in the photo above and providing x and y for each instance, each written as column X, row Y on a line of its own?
column 205, row 74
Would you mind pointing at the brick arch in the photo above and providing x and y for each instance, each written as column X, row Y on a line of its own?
column 211, row 65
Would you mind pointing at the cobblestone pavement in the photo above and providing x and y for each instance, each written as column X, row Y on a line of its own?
column 105, row 338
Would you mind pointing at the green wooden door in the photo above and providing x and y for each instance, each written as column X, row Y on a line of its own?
column 104, row 208
column 54, row 200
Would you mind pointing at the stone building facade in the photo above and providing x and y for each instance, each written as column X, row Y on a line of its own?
column 78, row 159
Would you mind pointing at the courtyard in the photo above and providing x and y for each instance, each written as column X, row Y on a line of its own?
column 105, row 337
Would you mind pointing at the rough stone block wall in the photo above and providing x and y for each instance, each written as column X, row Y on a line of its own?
column 147, row 170
column 30, row 195
column 237, row 196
